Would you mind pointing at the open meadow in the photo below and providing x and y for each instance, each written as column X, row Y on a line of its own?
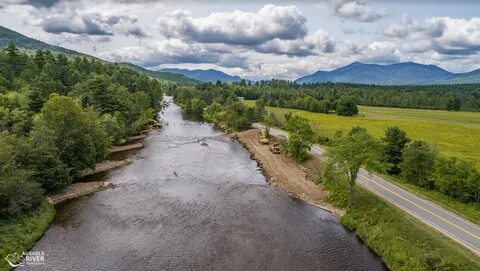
column 452, row 133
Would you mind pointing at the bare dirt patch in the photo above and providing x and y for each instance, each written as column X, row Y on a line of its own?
column 284, row 172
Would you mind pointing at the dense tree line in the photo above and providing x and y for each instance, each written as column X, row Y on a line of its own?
column 60, row 115
column 219, row 106
column 424, row 167
column 324, row 97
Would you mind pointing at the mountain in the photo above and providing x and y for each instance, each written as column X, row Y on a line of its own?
column 209, row 75
column 23, row 42
column 472, row 77
column 175, row 77
column 407, row 73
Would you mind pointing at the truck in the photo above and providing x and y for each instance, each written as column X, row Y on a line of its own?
column 275, row 148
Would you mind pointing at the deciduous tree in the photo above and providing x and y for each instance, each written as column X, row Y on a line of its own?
column 350, row 153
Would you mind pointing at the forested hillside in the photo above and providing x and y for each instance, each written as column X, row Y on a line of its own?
column 8, row 36
column 24, row 43
column 173, row 77
column 60, row 115
column 209, row 75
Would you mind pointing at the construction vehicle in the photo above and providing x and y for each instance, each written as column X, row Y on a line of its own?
column 275, row 148
column 264, row 139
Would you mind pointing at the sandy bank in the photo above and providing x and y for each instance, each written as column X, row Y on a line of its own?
column 284, row 172
column 135, row 138
column 77, row 190
column 104, row 166
column 126, row 147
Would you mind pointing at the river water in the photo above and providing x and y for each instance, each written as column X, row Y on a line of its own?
column 183, row 205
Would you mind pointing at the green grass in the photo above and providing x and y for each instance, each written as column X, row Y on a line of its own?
column 452, row 133
column 21, row 233
column 402, row 242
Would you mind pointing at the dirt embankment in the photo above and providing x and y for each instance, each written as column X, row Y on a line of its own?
column 284, row 172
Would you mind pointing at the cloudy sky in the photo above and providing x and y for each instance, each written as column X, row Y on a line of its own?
column 257, row 39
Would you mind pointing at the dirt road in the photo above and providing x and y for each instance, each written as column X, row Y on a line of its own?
column 284, row 172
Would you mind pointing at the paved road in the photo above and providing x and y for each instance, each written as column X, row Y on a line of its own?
column 451, row 225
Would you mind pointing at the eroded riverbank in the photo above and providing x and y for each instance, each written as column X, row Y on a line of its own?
column 286, row 173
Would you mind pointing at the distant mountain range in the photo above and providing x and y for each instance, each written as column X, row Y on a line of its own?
column 407, row 73
column 175, row 77
column 209, row 75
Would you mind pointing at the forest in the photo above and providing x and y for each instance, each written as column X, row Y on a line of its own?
column 60, row 115
column 323, row 97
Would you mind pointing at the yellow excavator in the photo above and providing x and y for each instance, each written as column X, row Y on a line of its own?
column 264, row 138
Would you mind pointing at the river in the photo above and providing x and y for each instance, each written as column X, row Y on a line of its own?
column 183, row 205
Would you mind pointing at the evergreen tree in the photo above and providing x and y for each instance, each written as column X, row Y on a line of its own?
column 395, row 140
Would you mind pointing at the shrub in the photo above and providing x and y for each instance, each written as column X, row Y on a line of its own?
column 18, row 193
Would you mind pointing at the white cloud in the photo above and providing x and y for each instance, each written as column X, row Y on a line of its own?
column 355, row 10
column 380, row 52
column 238, row 27
column 444, row 35
column 317, row 43
column 73, row 18
column 174, row 51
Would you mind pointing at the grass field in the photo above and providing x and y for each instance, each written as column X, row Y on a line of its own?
column 452, row 133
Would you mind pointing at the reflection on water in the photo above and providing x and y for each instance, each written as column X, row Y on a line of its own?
column 185, row 205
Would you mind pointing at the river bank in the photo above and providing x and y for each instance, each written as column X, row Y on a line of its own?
column 104, row 166
column 20, row 234
column 284, row 172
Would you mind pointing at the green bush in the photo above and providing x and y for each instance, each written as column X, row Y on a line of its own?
column 18, row 193
column 457, row 179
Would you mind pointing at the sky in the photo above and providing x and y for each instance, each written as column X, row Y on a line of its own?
column 256, row 39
